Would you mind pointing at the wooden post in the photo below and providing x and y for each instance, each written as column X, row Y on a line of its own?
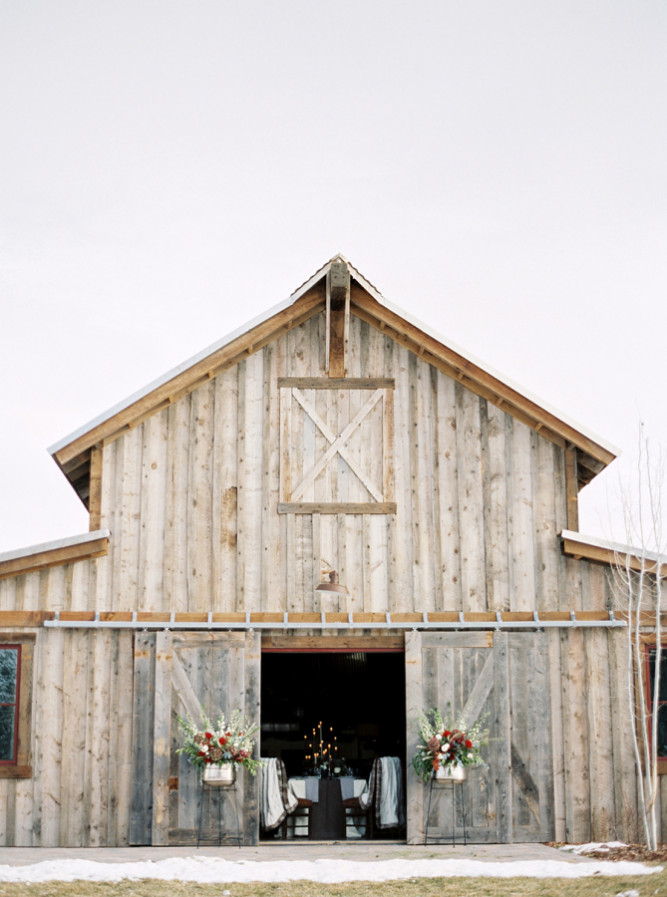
column 95, row 495
column 338, row 318
column 572, row 489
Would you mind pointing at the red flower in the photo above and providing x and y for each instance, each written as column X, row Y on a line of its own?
column 201, row 754
column 446, row 733
column 222, row 739
column 209, row 735
column 468, row 744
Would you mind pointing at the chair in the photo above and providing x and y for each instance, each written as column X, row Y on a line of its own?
column 354, row 813
column 389, row 803
column 381, row 802
column 276, row 803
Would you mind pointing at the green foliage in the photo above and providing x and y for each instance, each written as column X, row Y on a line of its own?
column 222, row 741
column 446, row 743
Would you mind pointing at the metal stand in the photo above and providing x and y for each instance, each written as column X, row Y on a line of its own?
column 222, row 792
column 458, row 792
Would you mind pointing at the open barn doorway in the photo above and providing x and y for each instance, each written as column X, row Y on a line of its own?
column 355, row 699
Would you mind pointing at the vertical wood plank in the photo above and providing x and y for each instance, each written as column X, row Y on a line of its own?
column 557, row 745
column 100, row 715
column 601, row 762
column 413, row 707
column 252, row 691
column 547, row 561
column 176, row 581
column 250, row 487
column 226, row 479
column 141, row 811
column 499, row 725
column 48, row 728
column 424, row 489
column 74, row 737
column 404, row 558
column 449, row 549
column 272, row 583
column 471, row 514
column 494, row 431
column 575, row 737
column 521, row 528
column 126, row 537
column 625, row 780
column 152, row 521
column 161, row 739
column 199, row 518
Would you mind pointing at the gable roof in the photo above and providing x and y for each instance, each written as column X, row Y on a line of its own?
column 73, row 453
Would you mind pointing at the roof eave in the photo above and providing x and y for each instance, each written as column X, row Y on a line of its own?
column 72, row 452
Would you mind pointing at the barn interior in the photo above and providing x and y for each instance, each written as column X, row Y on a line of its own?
column 357, row 697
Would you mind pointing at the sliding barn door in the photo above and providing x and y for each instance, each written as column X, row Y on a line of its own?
column 174, row 675
column 502, row 679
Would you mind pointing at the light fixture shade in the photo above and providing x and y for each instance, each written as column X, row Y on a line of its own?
column 332, row 584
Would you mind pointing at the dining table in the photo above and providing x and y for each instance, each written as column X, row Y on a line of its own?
column 327, row 813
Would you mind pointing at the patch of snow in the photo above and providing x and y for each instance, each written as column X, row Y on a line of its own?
column 213, row 870
column 600, row 847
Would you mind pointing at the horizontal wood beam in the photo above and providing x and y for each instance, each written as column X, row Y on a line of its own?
column 332, row 643
column 336, row 383
column 54, row 557
column 323, row 507
column 611, row 557
column 278, row 619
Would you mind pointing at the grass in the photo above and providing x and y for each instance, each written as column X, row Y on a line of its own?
column 645, row 885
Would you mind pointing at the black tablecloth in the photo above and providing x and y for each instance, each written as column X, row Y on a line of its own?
column 327, row 816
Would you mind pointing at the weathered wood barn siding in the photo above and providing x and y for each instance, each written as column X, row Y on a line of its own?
column 79, row 791
column 191, row 496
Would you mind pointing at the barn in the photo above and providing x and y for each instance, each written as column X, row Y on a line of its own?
column 334, row 433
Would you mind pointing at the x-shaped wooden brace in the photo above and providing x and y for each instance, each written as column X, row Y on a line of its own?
column 337, row 444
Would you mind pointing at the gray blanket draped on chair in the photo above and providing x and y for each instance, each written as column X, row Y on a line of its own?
column 385, row 789
column 275, row 801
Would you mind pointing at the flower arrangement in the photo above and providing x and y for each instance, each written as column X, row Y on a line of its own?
column 446, row 744
column 224, row 741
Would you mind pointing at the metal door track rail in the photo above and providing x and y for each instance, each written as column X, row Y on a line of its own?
column 286, row 621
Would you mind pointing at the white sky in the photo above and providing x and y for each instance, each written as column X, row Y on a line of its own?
column 172, row 169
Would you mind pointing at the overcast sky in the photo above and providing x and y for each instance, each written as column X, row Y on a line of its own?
column 172, row 169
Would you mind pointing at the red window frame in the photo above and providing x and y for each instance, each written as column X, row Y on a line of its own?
column 649, row 647
column 15, row 703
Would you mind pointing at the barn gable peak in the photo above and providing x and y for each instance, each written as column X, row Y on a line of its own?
column 340, row 290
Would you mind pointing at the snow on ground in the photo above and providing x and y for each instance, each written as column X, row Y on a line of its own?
column 593, row 847
column 214, row 870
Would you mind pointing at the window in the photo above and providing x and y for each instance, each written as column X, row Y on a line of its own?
column 16, row 652
column 10, row 681
column 651, row 657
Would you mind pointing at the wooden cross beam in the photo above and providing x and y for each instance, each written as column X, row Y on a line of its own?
column 337, row 444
